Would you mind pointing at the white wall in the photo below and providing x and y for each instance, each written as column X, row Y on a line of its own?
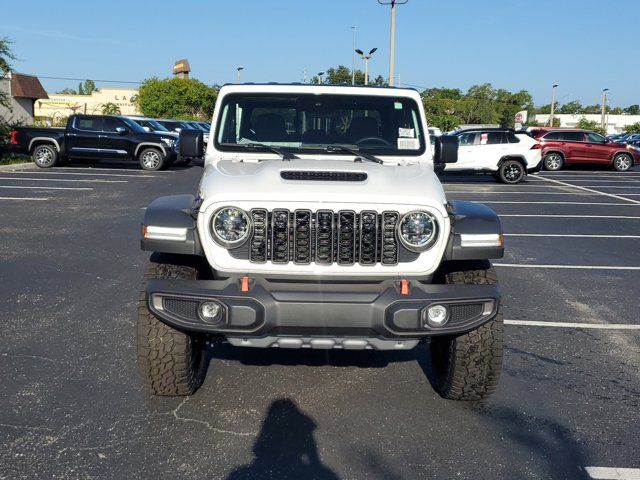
column 613, row 123
column 21, row 108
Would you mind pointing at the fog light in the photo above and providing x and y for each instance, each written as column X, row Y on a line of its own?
column 210, row 312
column 437, row 315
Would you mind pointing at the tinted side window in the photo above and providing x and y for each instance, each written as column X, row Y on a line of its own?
column 494, row 138
column 596, row 138
column 573, row 136
column 110, row 124
column 552, row 136
column 467, row 139
column 88, row 123
column 511, row 137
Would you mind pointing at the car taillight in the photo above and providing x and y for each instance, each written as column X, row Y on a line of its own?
column 13, row 135
column 536, row 146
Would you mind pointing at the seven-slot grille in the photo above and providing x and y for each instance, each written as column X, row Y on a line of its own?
column 325, row 237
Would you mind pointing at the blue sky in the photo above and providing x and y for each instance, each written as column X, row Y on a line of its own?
column 583, row 45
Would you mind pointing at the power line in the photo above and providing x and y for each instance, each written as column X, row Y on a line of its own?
column 83, row 79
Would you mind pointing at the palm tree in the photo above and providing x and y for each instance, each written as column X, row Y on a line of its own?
column 110, row 109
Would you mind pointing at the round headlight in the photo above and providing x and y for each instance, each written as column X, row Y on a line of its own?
column 418, row 230
column 230, row 226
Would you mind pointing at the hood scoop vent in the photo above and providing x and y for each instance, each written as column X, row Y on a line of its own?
column 323, row 176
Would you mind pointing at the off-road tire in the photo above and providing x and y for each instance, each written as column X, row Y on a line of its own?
column 467, row 367
column 553, row 162
column 45, row 156
column 170, row 362
column 146, row 163
column 622, row 162
column 511, row 172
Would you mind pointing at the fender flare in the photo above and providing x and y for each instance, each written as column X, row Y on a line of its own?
column 151, row 144
column 481, row 229
column 44, row 140
column 625, row 152
column 173, row 212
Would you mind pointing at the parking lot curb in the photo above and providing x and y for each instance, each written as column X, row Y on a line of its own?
column 18, row 167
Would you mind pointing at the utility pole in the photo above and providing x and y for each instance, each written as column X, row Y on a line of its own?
column 238, row 70
column 353, row 68
column 366, row 59
column 320, row 74
column 553, row 104
column 604, row 109
column 392, row 42
column 304, row 75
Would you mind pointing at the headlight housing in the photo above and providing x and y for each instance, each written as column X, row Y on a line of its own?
column 170, row 142
column 230, row 226
column 417, row 230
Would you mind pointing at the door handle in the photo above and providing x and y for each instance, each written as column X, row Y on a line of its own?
column 72, row 134
column 589, row 146
column 102, row 136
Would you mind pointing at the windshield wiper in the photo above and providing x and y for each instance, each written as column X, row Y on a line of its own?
column 353, row 151
column 257, row 146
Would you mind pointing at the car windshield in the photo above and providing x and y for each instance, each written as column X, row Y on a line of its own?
column 132, row 125
column 303, row 122
column 153, row 125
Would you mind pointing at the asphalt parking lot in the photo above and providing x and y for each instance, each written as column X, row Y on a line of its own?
column 71, row 405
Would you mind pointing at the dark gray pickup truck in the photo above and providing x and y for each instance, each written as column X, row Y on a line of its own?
column 96, row 137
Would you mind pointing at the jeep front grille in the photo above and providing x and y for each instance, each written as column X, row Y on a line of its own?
column 324, row 237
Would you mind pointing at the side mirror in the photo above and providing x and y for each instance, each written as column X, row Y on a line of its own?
column 446, row 149
column 191, row 143
column 121, row 130
column 146, row 129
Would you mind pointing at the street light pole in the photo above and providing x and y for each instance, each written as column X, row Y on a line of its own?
column 366, row 59
column 320, row 74
column 604, row 109
column 238, row 70
column 353, row 68
column 553, row 104
column 392, row 40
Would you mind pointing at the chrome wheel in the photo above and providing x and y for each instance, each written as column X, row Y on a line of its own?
column 553, row 162
column 151, row 160
column 622, row 163
column 44, row 156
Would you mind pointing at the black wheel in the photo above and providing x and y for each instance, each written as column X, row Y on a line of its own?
column 170, row 362
column 553, row 161
column 45, row 156
column 511, row 172
column 152, row 159
column 468, row 366
column 622, row 162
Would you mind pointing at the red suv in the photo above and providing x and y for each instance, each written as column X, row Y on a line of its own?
column 562, row 147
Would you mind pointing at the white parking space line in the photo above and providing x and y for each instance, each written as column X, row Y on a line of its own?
column 491, row 185
column 613, row 473
column 513, row 192
column 562, row 235
column 629, row 181
column 586, row 189
column 83, row 174
column 32, row 179
column 564, row 267
column 26, row 199
column 619, row 217
column 46, row 188
column 578, row 173
column 595, row 326
column 507, row 202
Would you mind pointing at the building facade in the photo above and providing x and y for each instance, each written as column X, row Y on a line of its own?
column 22, row 91
column 57, row 107
column 613, row 123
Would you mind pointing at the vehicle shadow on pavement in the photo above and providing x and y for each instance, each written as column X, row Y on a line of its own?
column 308, row 357
column 552, row 445
column 124, row 165
column 285, row 447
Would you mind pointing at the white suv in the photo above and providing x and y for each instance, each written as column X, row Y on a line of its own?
column 509, row 156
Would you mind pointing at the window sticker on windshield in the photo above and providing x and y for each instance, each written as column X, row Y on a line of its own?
column 408, row 144
column 406, row 133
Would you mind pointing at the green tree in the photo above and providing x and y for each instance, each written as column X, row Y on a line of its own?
column 590, row 125
column 110, row 108
column 632, row 110
column 6, row 55
column 571, row 108
column 342, row 74
column 86, row 88
column 180, row 98
column 590, row 109
column 67, row 91
column 633, row 128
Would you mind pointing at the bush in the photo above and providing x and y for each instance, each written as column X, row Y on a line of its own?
column 633, row 128
column 178, row 98
column 591, row 125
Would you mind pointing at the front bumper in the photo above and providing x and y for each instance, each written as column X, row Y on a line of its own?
column 321, row 315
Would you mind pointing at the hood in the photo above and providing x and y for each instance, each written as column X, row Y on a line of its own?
column 306, row 180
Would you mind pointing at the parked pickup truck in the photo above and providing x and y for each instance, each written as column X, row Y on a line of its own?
column 96, row 137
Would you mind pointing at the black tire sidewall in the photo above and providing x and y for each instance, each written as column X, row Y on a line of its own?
column 615, row 161
column 503, row 167
column 161, row 165
column 50, row 148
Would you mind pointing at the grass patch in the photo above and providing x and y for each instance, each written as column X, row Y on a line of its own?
column 12, row 159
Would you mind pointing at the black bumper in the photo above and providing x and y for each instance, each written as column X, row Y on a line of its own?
column 364, row 310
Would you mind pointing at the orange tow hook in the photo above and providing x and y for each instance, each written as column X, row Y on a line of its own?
column 404, row 287
column 244, row 285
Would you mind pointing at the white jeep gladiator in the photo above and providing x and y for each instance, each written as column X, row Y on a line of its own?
column 319, row 223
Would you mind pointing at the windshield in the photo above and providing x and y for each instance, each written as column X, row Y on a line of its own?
column 132, row 125
column 375, row 124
